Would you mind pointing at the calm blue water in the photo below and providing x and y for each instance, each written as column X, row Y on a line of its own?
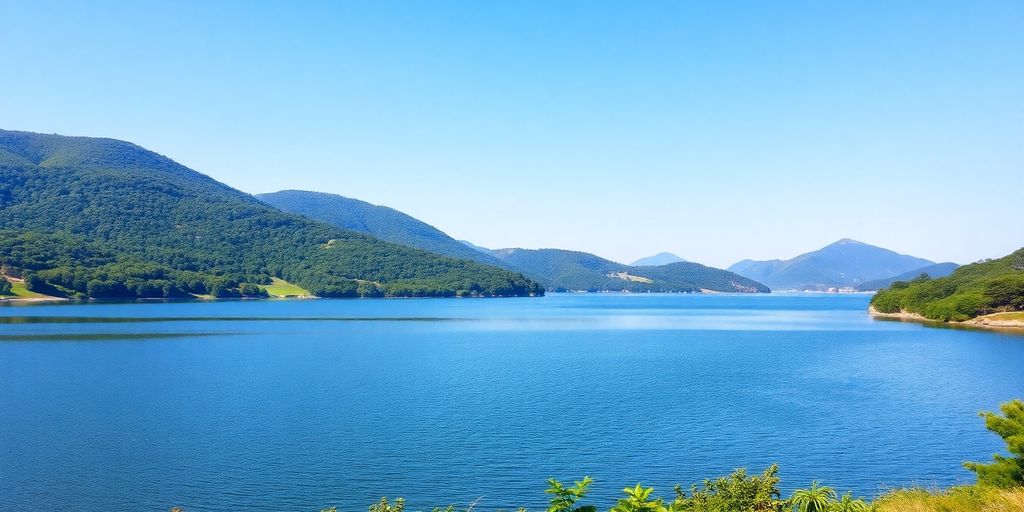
column 296, row 405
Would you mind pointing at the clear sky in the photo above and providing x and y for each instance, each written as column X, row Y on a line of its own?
column 715, row 130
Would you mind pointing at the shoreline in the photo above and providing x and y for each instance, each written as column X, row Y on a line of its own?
column 986, row 322
column 19, row 300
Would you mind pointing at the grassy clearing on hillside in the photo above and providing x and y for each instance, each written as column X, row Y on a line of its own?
column 20, row 292
column 971, row 498
column 625, row 276
column 282, row 288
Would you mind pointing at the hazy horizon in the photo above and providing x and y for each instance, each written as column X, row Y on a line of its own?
column 715, row 132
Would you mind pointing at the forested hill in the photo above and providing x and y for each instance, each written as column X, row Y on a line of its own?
column 381, row 222
column 977, row 289
column 571, row 270
column 556, row 269
column 105, row 218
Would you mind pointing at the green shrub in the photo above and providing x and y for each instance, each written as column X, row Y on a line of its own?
column 1004, row 471
column 736, row 492
column 563, row 499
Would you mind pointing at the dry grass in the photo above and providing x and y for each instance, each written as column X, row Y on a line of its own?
column 956, row 499
column 1011, row 315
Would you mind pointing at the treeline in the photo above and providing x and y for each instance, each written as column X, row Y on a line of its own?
column 62, row 265
column 79, row 211
column 977, row 289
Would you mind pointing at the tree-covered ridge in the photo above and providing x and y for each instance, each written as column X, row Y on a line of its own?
column 105, row 218
column 556, row 269
column 977, row 289
column 380, row 222
column 572, row 270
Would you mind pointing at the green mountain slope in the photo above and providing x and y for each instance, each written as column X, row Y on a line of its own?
column 932, row 271
column 971, row 290
column 381, row 222
column 662, row 258
column 843, row 263
column 105, row 218
column 571, row 270
column 555, row 268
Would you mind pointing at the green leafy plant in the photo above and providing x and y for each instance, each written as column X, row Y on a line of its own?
column 818, row 498
column 384, row 506
column 1004, row 471
column 847, row 503
column 564, row 499
column 638, row 499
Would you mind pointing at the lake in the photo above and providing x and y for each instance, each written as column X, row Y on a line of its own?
column 301, row 404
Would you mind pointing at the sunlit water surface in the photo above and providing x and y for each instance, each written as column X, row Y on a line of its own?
column 297, row 405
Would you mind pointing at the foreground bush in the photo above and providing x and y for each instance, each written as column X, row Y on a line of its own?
column 1004, row 471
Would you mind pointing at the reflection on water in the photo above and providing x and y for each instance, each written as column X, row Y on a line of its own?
column 142, row 319
column 102, row 336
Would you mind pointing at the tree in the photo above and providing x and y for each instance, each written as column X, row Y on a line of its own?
column 35, row 283
column 251, row 290
column 1004, row 471
column 5, row 286
column 816, row 499
column 563, row 498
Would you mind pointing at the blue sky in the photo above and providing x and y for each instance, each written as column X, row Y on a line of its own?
column 715, row 130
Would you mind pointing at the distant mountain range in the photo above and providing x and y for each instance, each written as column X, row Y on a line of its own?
column 562, row 270
column 90, row 217
column 845, row 263
column 662, row 258
column 932, row 271
column 103, row 218
column 556, row 269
